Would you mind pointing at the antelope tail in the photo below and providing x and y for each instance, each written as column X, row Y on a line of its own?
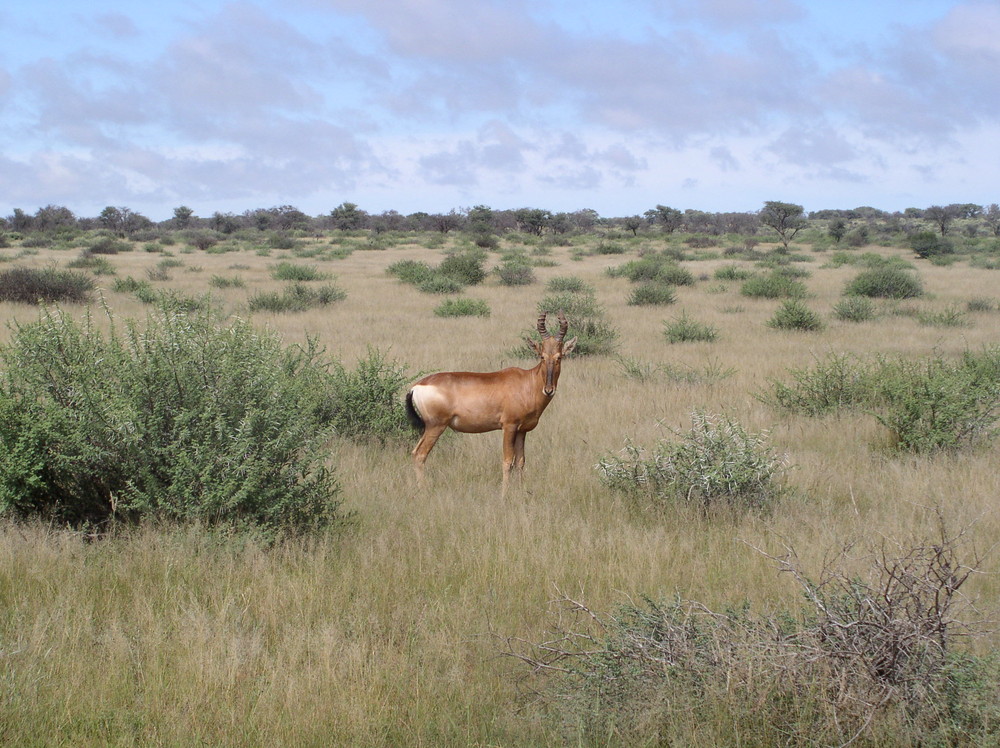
column 416, row 420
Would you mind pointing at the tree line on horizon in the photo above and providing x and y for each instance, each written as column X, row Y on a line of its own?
column 784, row 218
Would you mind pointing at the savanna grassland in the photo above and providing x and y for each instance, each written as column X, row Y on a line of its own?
column 396, row 628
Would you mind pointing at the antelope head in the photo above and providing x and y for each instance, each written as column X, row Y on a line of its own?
column 551, row 350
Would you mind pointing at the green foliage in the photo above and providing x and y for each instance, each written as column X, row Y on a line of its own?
column 413, row 272
column 683, row 329
column 773, row 285
column 49, row 285
column 569, row 284
column 295, row 298
column 466, row 267
column 516, row 270
column 927, row 405
column 586, row 319
column 288, row 271
column 732, row 272
column 717, row 464
column 855, row 309
column 794, row 315
column 928, row 245
column 951, row 316
column 175, row 419
column 660, row 267
column 108, row 245
column 463, row 307
column 366, row 404
column 885, row 282
column 652, row 293
column 439, row 283
column 221, row 281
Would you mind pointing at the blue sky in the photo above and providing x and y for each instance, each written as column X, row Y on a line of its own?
column 434, row 105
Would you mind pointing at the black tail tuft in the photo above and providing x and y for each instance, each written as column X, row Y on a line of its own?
column 411, row 412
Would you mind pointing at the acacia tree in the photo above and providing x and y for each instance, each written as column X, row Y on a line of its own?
column 670, row 219
column 785, row 219
column 942, row 216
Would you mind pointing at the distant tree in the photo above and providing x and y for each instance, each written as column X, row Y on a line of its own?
column 561, row 223
column 699, row 222
column 182, row 216
column 738, row 223
column 480, row 219
column 53, row 217
column 669, row 219
column 122, row 221
column 837, row 229
column 942, row 216
column 445, row 222
column 389, row 220
column 225, row 223
column 20, row 221
column 966, row 210
column 586, row 219
column 992, row 218
column 348, row 217
column 633, row 224
column 785, row 219
column 532, row 220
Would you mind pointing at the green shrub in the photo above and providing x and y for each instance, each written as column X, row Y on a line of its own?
column 928, row 245
column 411, row 271
column 221, row 281
column 366, row 404
column 586, row 321
column 838, row 381
column 49, row 285
column 652, row 293
column 794, row 315
column 854, row 309
column 463, row 308
column 683, row 329
column 295, row 298
column 466, row 267
column 96, row 265
column 773, row 285
column 174, row 419
column 516, row 270
column 438, row 283
column 109, row 246
column 660, row 267
column 885, row 282
column 717, row 464
column 605, row 247
column 732, row 272
column 288, row 271
column 569, row 284
column 951, row 316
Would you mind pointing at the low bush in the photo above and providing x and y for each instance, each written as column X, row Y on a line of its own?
column 365, row 404
column 732, row 272
column 929, row 245
column 855, row 309
column 652, row 293
column 716, row 465
column 288, row 271
column 221, row 281
column 295, row 298
column 438, row 283
column 411, row 271
column 773, row 285
column 660, row 267
column 794, row 315
column 47, row 286
column 595, row 334
column 515, row 270
column 174, row 419
column 870, row 658
column 569, row 284
column 885, row 282
column 951, row 316
column 683, row 329
column 466, row 267
column 463, row 308
column 109, row 246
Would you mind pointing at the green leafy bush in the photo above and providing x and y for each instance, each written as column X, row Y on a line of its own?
column 289, row 271
column 928, row 245
column 411, row 271
column 794, row 315
column 366, row 405
column 515, row 270
column 439, row 283
column 466, row 267
column 660, row 267
column 463, row 308
column 569, row 284
column 837, row 381
column 175, row 419
column 717, row 464
column 652, row 293
column 732, row 272
column 49, row 285
column 773, row 285
column 586, row 320
column 683, row 329
column 885, row 282
column 855, row 309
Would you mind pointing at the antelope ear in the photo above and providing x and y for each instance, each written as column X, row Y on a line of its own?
column 569, row 346
column 533, row 345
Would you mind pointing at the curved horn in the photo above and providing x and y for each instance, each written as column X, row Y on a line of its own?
column 542, row 330
column 563, row 326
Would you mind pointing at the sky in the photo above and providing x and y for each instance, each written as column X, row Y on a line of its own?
column 437, row 105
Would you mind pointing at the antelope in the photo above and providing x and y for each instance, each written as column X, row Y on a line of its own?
column 511, row 400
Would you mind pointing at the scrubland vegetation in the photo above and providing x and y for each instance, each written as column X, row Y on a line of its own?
column 759, row 511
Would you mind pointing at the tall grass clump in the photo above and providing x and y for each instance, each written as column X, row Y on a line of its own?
column 463, row 308
column 46, row 286
column 176, row 419
column 885, row 282
column 716, row 465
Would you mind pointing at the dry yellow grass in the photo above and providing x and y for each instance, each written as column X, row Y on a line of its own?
column 386, row 634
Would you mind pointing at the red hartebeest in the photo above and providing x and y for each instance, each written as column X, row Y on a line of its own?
column 472, row 402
